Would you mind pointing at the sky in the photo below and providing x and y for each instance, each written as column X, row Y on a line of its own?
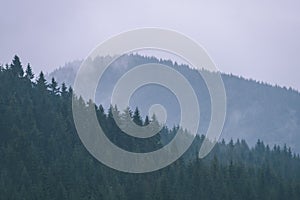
column 257, row 39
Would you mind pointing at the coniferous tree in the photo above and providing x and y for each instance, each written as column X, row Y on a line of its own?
column 29, row 74
column 147, row 121
column 63, row 90
column 137, row 117
column 54, row 87
column 41, row 82
column 16, row 67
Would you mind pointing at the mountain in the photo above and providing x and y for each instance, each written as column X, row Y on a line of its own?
column 42, row 156
column 255, row 110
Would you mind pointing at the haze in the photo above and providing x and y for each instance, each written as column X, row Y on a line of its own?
column 256, row 39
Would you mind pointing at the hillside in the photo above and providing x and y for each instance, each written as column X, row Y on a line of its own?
column 41, row 156
column 255, row 110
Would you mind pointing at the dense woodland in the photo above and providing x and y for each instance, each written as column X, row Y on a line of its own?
column 255, row 110
column 42, row 157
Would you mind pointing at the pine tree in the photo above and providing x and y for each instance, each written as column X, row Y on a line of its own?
column 147, row 121
column 137, row 117
column 29, row 74
column 54, row 87
column 41, row 82
column 64, row 90
column 16, row 67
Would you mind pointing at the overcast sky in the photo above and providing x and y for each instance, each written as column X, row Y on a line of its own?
column 255, row 38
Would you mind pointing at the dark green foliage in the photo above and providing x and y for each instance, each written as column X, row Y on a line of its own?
column 137, row 117
column 41, row 156
column 41, row 83
column 29, row 73
column 147, row 121
column 54, row 87
column 16, row 67
column 254, row 109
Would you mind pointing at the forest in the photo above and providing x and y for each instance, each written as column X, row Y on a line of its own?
column 42, row 157
column 255, row 109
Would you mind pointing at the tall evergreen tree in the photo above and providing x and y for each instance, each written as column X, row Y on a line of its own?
column 64, row 90
column 137, row 117
column 41, row 82
column 16, row 67
column 29, row 74
column 147, row 121
column 54, row 87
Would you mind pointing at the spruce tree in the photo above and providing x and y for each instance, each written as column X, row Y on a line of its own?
column 29, row 74
column 16, row 67
column 137, row 117
column 41, row 82
column 54, row 87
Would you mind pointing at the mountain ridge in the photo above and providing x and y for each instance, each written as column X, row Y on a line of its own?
column 256, row 110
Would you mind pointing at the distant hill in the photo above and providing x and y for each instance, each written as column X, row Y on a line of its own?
column 255, row 110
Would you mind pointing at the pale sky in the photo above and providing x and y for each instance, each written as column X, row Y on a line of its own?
column 259, row 39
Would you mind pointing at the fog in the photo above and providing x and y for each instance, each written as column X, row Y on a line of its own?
column 257, row 39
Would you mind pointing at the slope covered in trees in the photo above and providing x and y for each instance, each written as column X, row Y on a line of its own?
column 255, row 110
column 41, row 156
